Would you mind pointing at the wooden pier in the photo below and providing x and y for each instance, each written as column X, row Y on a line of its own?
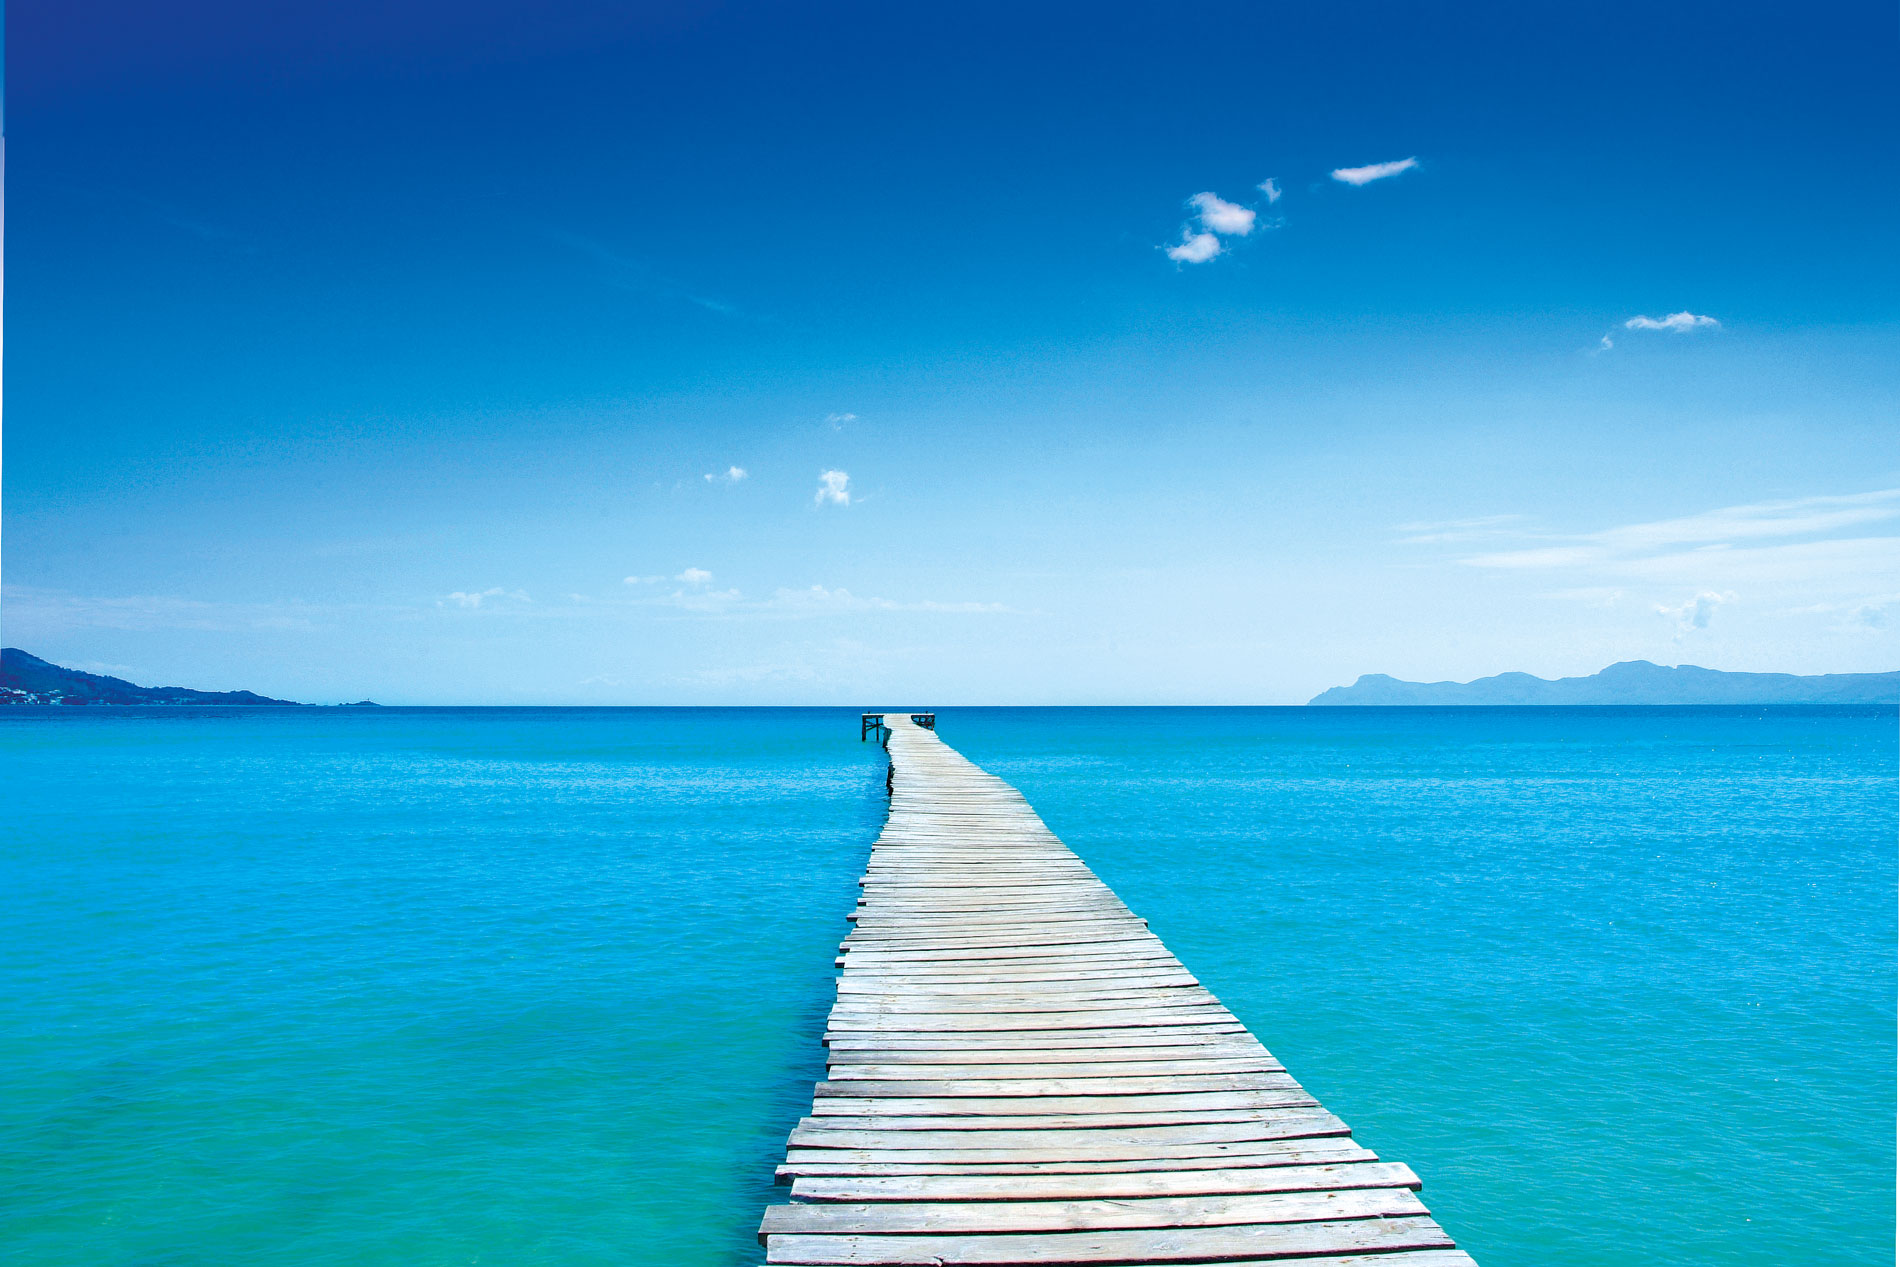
column 1020, row 1073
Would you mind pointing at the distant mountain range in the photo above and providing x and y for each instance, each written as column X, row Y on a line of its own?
column 1631, row 682
column 27, row 679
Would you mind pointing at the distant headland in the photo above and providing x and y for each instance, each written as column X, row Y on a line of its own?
column 1630, row 682
column 27, row 679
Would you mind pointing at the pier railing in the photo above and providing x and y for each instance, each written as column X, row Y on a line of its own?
column 873, row 723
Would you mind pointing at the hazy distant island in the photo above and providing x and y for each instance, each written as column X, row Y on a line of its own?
column 1630, row 682
column 27, row 679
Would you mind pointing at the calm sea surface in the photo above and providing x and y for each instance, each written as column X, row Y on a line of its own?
column 519, row 986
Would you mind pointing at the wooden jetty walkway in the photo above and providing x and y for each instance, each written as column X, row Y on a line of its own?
column 1020, row 1073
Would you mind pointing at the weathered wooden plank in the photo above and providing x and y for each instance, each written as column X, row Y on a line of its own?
column 944, row 1218
column 882, row 983
column 953, row 1106
column 874, row 990
column 966, row 1048
column 1049, row 1070
column 1065, row 1153
column 849, row 1164
column 941, row 934
column 1118, row 998
column 1053, row 971
column 925, row 1004
column 1124, row 948
column 1271, row 1124
column 927, row 1022
column 1082, row 1036
column 1147, row 1183
column 1177, row 1245
column 873, row 1049
column 1107, row 1115
column 1217, row 1033
column 1050, row 944
column 1041, row 1110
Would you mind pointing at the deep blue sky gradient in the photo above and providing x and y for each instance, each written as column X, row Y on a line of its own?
column 320, row 316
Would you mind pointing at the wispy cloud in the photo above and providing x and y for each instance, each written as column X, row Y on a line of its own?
column 817, row 597
column 838, row 422
column 732, row 475
column 1271, row 188
column 702, row 600
column 796, row 603
column 753, row 675
column 625, row 273
column 1722, row 529
column 1695, row 613
column 833, row 489
column 1591, row 595
column 1837, row 552
column 1457, row 529
column 1863, row 615
column 34, row 612
column 1373, row 171
column 1797, row 517
column 1539, row 557
column 1676, row 322
column 476, row 598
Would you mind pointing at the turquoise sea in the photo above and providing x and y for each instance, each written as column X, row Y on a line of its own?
column 524, row 986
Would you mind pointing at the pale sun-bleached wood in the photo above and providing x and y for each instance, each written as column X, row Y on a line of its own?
column 1019, row 1072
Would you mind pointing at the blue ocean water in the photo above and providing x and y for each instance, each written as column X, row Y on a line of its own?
column 544, row 986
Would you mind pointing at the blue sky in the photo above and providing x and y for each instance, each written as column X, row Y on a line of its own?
column 413, row 351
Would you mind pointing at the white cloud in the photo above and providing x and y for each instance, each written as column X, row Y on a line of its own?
column 1849, row 565
column 838, row 421
column 1801, row 556
column 732, row 476
column 1420, row 533
column 1605, row 344
column 475, row 598
column 33, row 612
column 1373, row 171
column 1591, row 595
column 1217, row 215
column 701, row 600
column 1696, row 612
column 815, row 598
column 1215, row 218
column 1194, row 248
column 1540, row 557
column 796, row 604
column 1649, row 545
column 1677, row 322
column 1799, row 517
column 1863, row 615
column 833, row 487
column 644, row 580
